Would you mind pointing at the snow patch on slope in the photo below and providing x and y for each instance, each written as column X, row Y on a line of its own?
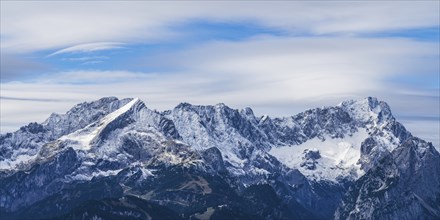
column 84, row 176
column 338, row 157
column 18, row 161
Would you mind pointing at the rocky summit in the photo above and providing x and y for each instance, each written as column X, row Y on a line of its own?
column 118, row 159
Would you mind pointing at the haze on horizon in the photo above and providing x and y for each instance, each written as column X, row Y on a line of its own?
column 279, row 58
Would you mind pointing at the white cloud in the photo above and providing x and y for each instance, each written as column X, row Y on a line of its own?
column 291, row 69
column 263, row 72
column 55, row 25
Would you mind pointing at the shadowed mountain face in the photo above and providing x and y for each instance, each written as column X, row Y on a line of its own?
column 117, row 159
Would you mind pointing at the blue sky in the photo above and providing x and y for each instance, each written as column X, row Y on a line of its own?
column 277, row 57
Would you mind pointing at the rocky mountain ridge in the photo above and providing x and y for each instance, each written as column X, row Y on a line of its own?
column 116, row 158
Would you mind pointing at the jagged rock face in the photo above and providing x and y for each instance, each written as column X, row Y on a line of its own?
column 405, row 184
column 117, row 159
column 309, row 159
column 24, row 188
column 317, row 122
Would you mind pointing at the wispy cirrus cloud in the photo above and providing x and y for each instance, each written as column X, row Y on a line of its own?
column 296, row 67
column 89, row 47
column 86, row 58
column 278, row 69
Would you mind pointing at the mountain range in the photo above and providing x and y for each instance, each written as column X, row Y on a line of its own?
column 117, row 159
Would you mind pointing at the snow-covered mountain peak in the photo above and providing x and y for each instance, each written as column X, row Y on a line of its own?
column 86, row 137
column 368, row 110
column 202, row 109
column 82, row 115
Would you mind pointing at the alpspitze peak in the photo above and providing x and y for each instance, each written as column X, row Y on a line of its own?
column 97, row 130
